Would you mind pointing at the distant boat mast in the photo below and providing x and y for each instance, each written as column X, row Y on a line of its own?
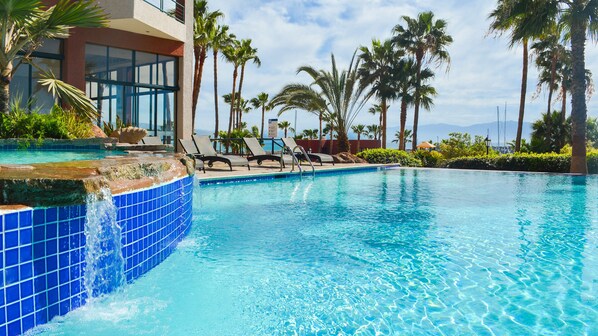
column 498, row 124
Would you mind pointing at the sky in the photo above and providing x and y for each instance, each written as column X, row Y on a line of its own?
column 484, row 72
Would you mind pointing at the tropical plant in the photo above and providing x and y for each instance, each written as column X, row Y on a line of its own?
column 58, row 124
column 262, row 101
column 285, row 126
column 359, row 130
column 233, row 54
column 339, row 93
column 385, row 155
column 204, row 28
column 549, row 54
column 460, row 145
column 219, row 39
column 377, row 69
column 373, row 131
column 549, row 133
column 426, row 39
column 376, row 109
column 310, row 134
column 406, row 137
column 26, row 24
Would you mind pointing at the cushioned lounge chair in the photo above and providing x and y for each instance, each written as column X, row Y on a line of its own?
column 259, row 154
column 191, row 150
column 204, row 146
column 318, row 157
column 151, row 140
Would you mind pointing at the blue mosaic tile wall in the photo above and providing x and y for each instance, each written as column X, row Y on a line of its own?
column 42, row 251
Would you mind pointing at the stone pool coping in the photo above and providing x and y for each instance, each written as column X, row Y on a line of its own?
column 65, row 183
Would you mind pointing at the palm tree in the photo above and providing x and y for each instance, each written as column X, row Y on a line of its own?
column 406, row 74
column 330, row 119
column 580, row 19
column 247, row 53
column 405, row 138
column 284, row 125
column 378, row 65
column 359, row 130
column 25, row 24
column 426, row 39
column 549, row 54
column 219, row 40
column 376, row 109
column 310, row 134
column 549, row 133
column 338, row 93
column 232, row 53
column 262, row 100
column 373, row 131
column 204, row 27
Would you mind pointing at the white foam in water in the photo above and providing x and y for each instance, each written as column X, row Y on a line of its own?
column 104, row 271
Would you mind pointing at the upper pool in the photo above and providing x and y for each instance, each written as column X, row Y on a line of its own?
column 43, row 156
column 402, row 252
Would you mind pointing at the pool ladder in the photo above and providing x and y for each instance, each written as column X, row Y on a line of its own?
column 304, row 153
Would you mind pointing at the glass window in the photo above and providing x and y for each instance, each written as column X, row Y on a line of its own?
column 42, row 98
column 146, row 67
column 96, row 61
column 166, row 72
column 51, row 46
column 120, row 64
column 19, row 85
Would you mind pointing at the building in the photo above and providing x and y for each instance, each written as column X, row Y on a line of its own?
column 138, row 69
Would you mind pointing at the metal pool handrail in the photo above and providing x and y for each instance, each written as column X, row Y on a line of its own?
column 313, row 169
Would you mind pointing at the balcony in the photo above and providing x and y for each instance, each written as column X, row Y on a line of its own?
column 158, row 18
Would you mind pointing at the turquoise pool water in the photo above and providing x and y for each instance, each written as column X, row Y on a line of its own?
column 401, row 252
column 33, row 156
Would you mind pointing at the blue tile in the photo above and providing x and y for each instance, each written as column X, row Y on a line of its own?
column 63, row 228
column 63, row 213
column 27, row 306
column 14, row 328
column 25, row 236
column 74, row 226
column 3, row 330
column 1, row 237
column 65, row 307
column 75, row 272
column 53, row 296
column 51, row 247
column 28, row 322
column 39, row 233
column 63, row 260
column 39, row 250
column 26, row 288
column 51, row 263
column 76, row 256
column 25, row 218
column 51, row 215
column 52, row 279
column 39, row 284
column 11, row 221
column 65, row 291
column 25, row 253
column 53, row 311
column 51, row 230
column 13, row 311
column 41, row 316
column 11, row 257
column 13, row 294
column 1, row 298
column 63, row 244
column 39, row 216
column 64, row 276
column 26, row 271
column 11, row 239
column 11, row 275
column 75, row 287
column 2, row 316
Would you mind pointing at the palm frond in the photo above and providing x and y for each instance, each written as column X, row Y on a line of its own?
column 69, row 95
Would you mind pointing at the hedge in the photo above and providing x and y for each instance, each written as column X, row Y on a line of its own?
column 379, row 155
column 553, row 163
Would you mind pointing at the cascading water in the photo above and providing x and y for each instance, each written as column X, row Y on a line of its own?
column 104, row 271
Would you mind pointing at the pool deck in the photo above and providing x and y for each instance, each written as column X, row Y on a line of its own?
column 221, row 172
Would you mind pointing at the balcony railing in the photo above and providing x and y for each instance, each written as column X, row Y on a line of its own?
column 173, row 8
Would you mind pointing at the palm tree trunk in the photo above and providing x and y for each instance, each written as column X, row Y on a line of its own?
column 5, row 79
column 522, row 96
column 215, row 53
column 358, row 142
column 343, row 141
column 383, row 130
column 331, row 139
column 239, row 100
column 579, row 109
column 564, row 104
column 285, row 132
column 403, row 122
column 262, row 130
column 320, row 133
column 552, row 80
column 232, row 100
column 418, row 64
column 200, row 59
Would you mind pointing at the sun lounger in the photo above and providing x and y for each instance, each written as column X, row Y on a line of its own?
column 191, row 150
column 318, row 157
column 259, row 154
column 204, row 146
column 151, row 140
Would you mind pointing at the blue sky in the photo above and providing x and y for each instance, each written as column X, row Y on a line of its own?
column 484, row 72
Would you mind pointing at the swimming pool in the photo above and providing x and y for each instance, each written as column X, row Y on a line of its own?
column 395, row 252
column 37, row 156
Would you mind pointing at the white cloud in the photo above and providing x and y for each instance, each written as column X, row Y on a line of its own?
column 484, row 72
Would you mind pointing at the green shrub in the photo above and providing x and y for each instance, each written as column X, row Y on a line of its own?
column 429, row 158
column 59, row 124
column 379, row 155
column 532, row 162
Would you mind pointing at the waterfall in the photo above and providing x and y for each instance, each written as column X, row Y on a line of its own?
column 104, row 271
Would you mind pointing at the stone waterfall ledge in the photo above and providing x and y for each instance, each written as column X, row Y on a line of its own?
column 67, row 183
